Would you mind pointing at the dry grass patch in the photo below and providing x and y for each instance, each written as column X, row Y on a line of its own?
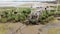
column 2, row 29
column 53, row 30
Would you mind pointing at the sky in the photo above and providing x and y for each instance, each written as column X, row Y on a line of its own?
column 24, row 0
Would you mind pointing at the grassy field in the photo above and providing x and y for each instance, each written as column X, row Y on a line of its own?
column 3, row 26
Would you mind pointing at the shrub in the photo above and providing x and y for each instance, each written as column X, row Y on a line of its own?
column 45, row 18
column 13, row 15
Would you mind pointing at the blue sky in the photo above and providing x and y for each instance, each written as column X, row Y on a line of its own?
column 27, row 0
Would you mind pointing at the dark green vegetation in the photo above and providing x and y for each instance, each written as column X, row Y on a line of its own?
column 12, row 14
column 46, row 16
column 58, row 11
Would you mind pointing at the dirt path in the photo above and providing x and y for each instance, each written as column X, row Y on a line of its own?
column 31, row 29
column 12, row 28
column 50, row 28
column 19, row 28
